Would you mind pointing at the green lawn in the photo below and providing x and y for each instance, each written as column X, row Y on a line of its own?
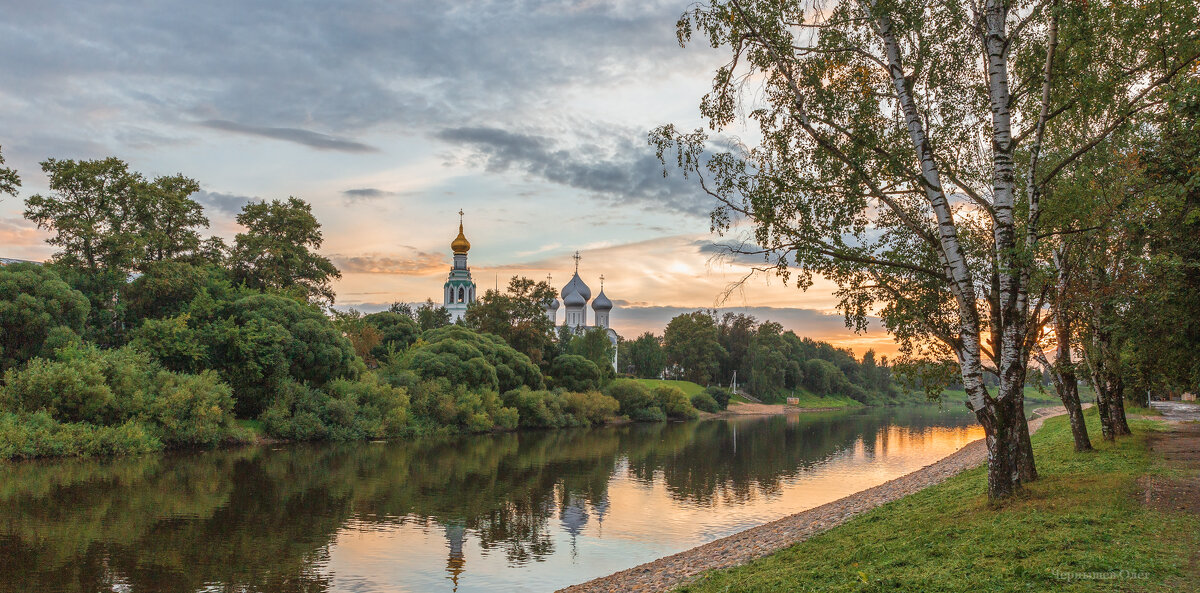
column 686, row 386
column 1082, row 518
column 808, row 400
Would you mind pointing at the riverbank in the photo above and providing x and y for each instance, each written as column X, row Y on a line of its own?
column 1082, row 519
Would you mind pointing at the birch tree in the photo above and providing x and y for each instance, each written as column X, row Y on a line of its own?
column 903, row 149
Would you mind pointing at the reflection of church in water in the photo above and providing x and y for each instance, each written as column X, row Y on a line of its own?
column 574, row 512
column 459, row 291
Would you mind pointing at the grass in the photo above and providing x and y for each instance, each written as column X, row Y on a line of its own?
column 1083, row 517
column 687, row 387
column 809, row 400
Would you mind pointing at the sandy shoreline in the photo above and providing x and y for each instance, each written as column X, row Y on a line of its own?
column 672, row 571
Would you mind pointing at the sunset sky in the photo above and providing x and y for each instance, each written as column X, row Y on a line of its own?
column 389, row 116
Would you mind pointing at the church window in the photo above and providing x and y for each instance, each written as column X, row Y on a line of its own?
column 461, row 294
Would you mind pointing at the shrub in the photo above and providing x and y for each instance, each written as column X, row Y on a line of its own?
column 34, row 302
column 66, row 391
column 342, row 410
column 191, row 410
column 705, row 402
column 575, row 373
column 719, row 394
column 632, row 396
column 674, row 402
column 592, row 407
column 27, row 436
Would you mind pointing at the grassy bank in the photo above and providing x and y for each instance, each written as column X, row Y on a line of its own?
column 807, row 400
column 1082, row 518
column 687, row 387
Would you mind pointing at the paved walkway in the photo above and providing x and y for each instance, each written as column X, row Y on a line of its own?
column 667, row 573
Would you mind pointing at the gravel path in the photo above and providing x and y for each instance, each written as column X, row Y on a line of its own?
column 667, row 573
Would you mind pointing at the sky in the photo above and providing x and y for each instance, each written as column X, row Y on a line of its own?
column 388, row 117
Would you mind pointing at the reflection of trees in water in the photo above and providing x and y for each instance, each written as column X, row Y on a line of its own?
column 262, row 520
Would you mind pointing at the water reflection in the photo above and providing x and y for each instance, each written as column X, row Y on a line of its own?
column 511, row 512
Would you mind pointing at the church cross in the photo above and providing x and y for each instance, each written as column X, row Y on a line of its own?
column 577, row 258
column 601, row 282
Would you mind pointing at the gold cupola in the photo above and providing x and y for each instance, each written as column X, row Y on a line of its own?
column 460, row 245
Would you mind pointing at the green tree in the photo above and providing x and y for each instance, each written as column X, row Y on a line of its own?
column 278, row 250
column 690, row 341
column 768, row 361
column 471, row 360
column 518, row 316
column 168, row 219
column 735, row 331
column 431, row 315
column 870, row 128
column 396, row 332
column 35, row 304
column 645, row 356
column 91, row 212
column 575, row 373
column 594, row 345
column 10, row 182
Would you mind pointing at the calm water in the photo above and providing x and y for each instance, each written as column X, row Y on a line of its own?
column 512, row 512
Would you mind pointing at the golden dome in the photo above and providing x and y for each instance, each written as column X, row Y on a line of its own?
column 460, row 245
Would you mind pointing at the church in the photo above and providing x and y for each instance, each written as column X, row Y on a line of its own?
column 459, row 291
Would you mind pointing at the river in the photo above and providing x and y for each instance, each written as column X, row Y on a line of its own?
column 529, row 511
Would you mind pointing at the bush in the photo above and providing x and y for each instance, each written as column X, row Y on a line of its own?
column 556, row 409
column 28, row 436
column 705, row 402
column 342, row 410
column 472, row 360
column 632, row 396
column 34, row 303
column 191, row 410
column 674, row 402
column 592, row 407
column 719, row 394
column 575, row 373
column 438, row 405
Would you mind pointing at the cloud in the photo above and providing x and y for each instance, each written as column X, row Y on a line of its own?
column 18, row 232
column 617, row 164
column 412, row 263
column 306, row 137
column 224, row 203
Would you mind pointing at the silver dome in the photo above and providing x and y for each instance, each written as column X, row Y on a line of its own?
column 602, row 303
column 576, row 286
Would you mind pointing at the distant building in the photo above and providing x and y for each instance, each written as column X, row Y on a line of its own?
column 8, row 261
column 459, row 289
column 575, row 297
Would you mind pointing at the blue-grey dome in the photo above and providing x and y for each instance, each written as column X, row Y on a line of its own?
column 553, row 306
column 574, row 299
column 602, row 303
column 576, row 286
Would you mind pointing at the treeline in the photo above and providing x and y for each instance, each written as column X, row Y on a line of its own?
column 142, row 334
column 706, row 347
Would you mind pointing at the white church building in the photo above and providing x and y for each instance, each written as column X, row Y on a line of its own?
column 459, row 291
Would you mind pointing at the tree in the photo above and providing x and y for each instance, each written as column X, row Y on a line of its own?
column 768, row 362
column 735, row 331
column 10, row 182
column 576, row 373
column 595, row 346
column 518, row 316
column 690, row 341
column 645, row 356
column 168, row 220
column 91, row 213
column 278, row 250
column 906, row 149
column 36, row 309
column 432, row 316
column 471, row 360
